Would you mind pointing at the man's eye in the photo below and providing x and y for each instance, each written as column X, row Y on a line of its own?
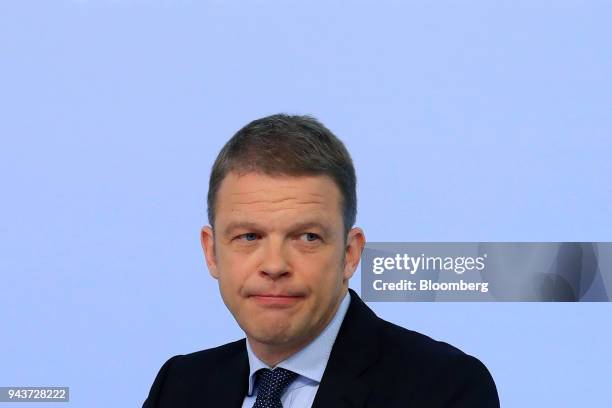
column 309, row 236
column 249, row 236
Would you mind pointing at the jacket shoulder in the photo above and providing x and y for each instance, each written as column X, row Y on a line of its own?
column 408, row 348
column 408, row 343
column 183, row 376
column 444, row 374
column 211, row 356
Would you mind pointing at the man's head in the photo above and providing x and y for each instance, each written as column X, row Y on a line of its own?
column 281, row 204
column 283, row 145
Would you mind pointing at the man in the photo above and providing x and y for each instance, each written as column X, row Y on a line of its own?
column 281, row 243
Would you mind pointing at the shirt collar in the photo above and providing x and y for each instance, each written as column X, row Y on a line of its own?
column 310, row 361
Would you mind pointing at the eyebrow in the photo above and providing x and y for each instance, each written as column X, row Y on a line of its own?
column 248, row 225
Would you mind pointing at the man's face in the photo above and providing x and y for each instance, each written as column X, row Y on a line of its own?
column 280, row 255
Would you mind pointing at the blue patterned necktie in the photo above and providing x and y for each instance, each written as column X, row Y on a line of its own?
column 270, row 386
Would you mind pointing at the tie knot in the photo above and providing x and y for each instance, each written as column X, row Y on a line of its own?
column 272, row 383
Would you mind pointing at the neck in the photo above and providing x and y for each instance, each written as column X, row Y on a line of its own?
column 274, row 354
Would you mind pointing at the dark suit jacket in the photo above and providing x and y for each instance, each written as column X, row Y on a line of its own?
column 373, row 363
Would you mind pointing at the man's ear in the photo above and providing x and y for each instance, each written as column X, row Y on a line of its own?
column 355, row 242
column 207, row 238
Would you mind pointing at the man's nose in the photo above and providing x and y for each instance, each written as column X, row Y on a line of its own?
column 274, row 263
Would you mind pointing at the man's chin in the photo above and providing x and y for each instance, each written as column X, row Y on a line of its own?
column 272, row 336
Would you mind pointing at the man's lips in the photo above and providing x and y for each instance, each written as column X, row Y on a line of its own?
column 275, row 299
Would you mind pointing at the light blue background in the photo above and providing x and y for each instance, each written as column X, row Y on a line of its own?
column 467, row 121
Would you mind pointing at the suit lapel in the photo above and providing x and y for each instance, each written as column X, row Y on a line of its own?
column 356, row 348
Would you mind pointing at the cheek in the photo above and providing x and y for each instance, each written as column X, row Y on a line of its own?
column 229, row 259
column 321, row 270
column 232, row 270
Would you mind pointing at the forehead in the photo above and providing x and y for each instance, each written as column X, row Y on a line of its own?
column 269, row 199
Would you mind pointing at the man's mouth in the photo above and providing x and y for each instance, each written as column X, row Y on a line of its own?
column 276, row 300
